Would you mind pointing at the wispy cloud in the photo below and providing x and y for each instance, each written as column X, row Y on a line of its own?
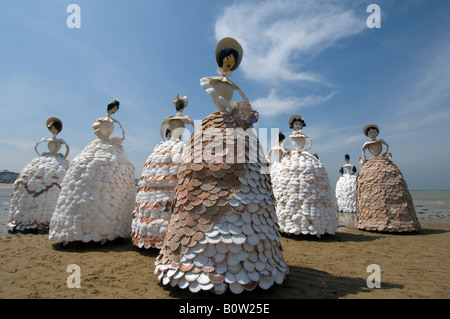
column 273, row 104
column 276, row 35
column 425, row 98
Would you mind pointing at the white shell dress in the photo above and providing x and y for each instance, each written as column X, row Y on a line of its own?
column 346, row 190
column 274, row 157
column 37, row 188
column 305, row 204
column 98, row 192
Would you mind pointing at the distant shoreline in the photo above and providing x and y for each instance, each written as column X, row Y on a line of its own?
column 6, row 185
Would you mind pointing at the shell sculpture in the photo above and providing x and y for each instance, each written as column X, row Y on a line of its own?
column 346, row 188
column 38, row 185
column 157, row 183
column 97, row 194
column 223, row 233
column 275, row 155
column 383, row 200
column 305, row 204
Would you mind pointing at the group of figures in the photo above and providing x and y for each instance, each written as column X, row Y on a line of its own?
column 305, row 203
column 378, row 194
column 212, row 204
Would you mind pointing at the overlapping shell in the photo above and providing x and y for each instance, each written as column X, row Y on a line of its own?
column 36, row 192
column 346, row 193
column 97, row 195
column 154, row 197
column 383, row 201
column 305, row 204
column 223, row 231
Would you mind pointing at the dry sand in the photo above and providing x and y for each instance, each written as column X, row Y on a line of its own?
column 335, row 266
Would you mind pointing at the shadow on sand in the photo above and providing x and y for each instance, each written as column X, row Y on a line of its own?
column 300, row 283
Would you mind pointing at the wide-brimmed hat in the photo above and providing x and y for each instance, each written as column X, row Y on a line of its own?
column 229, row 43
column 52, row 120
column 370, row 125
column 295, row 116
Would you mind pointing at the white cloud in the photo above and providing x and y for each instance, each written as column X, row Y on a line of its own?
column 275, row 35
column 275, row 105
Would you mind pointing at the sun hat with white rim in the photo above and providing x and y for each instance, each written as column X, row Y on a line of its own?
column 229, row 43
column 52, row 120
column 295, row 116
column 370, row 125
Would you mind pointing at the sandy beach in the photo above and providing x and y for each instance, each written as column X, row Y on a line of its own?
column 411, row 266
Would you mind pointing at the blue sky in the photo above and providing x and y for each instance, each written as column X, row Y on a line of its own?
column 314, row 58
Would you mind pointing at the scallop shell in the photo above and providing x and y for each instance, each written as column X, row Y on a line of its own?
column 232, row 218
column 238, row 239
column 242, row 255
column 216, row 278
column 249, row 266
column 253, row 239
column 200, row 260
column 226, row 238
column 203, row 279
column 219, row 288
column 265, row 283
column 210, row 251
column 212, row 233
column 232, row 261
column 247, row 229
column 250, row 286
column 229, row 278
column 213, row 240
column 195, row 287
column 183, row 283
column 234, row 230
column 191, row 277
column 178, row 275
column 236, row 288
column 242, row 277
column 219, row 259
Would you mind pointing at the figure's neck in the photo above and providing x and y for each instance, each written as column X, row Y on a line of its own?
column 222, row 72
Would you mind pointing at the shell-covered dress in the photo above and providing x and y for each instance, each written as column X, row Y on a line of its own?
column 98, row 192
column 383, row 200
column 223, row 233
column 153, row 207
column 37, row 188
column 305, row 204
column 346, row 189
column 275, row 155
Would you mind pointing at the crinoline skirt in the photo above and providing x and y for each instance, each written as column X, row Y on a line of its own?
column 223, row 232
column 346, row 193
column 153, row 207
column 305, row 204
column 36, row 192
column 383, row 200
column 97, row 195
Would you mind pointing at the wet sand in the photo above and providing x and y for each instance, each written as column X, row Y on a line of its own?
column 412, row 266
